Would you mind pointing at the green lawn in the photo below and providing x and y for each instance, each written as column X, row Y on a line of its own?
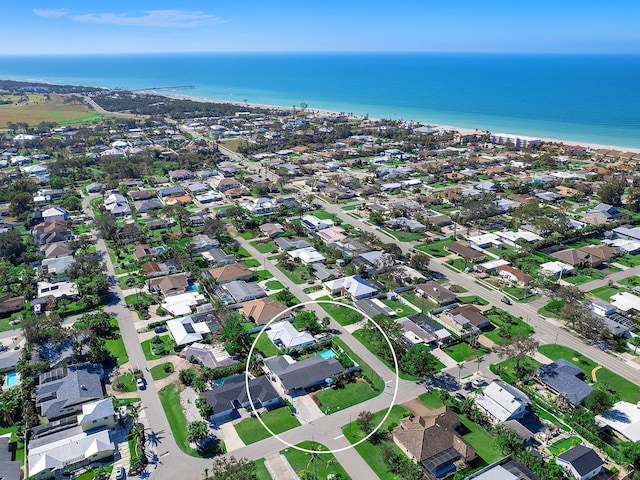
column 435, row 249
column 170, row 399
column 605, row 378
column 483, row 442
column 552, row 308
column 583, row 275
column 367, row 371
column 299, row 275
column 463, row 351
column 474, row 299
column 324, row 215
column 261, row 470
column 117, row 349
column 152, row 355
column 280, row 420
column 506, row 368
column 90, row 474
column 371, row 453
column 424, row 304
column 129, row 383
column 403, row 236
column 401, row 309
column 431, row 399
column 517, row 292
column 274, row 285
column 322, row 465
column 158, row 372
column 629, row 260
column 342, row 315
column 457, row 263
column 265, row 345
column 330, row 400
column 606, row 292
column 262, row 275
column 360, row 335
column 632, row 281
column 266, row 247
column 14, row 438
column 252, row 263
column 563, row 445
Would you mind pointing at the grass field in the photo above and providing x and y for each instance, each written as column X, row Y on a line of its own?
column 170, row 399
column 631, row 282
column 606, row 292
column 150, row 355
column 605, row 378
column 463, row 351
column 265, row 345
column 280, row 420
column 265, row 247
column 37, row 110
column 431, row 399
column 563, row 445
column 629, row 260
column 436, row 248
column 158, row 372
column 473, row 299
column 342, row 315
column 361, row 336
column 331, row 400
column 322, row 466
column 403, row 236
column 552, row 308
column 261, row 470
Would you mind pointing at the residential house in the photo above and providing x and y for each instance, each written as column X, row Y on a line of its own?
column 324, row 273
column 180, row 175
column 145, row 206
column 602, row 308
column 232, row 395
column 57, row 289
column 260, row 206
column 502, row 402
column 375, row 261
column 168, row 285
column 198, row 188
column 117, row 205
column 285, row 335
column 556, row 269
column 300, row 375
column 507, row 469
column 314, row 224
column 10, row 469
column 353, row 286
column 623, row 418
column 331, row 234
column 262, row 310
column 54, row 250
column 147, row 194
column 412, row 334
column 95, row 187
column 157, row 224
column 514, row 275
column 606, row 212
column 9, row 304
column 578, row 258
column 224, row 184
column 241, row 291
column 51, row 232
column 58, row 265
column 404, row 223
column 564, row 378
column 435, row 292
column 230, row 273
column 185, row 331
column 55, row 213
column 218, row 257
column 63, row 391
column 469, row 316
column 271, row 230
column 204, row 242
column 142, row 251
column 433, row 442
column 605, row 252
column 168, row 192
column 208, row 355
column 466, row 252
column 626, row 302
column 284, row 244
column 307, row 255
column 581, row 462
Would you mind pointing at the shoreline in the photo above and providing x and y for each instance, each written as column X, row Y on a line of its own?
column 589, row 145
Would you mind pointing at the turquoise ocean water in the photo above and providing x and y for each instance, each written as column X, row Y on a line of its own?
column 577, row 98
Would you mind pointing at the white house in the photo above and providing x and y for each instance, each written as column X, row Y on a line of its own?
column 307, row 255
column 353, row 286
column 57, row 290
column 602, row 308
column 185, row 331
column 99, row 414
column 55, row 213
column 502, row 402
column 314, row 223
column 555, row 269
column 581, row 462
column 260, row 206
column 624, row 418
column 625, row 302
column 284, row 334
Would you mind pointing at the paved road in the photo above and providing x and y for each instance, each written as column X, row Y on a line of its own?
column 615, row 276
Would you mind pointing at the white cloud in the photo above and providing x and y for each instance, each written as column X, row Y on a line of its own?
column 51, row 12
column 152, row 18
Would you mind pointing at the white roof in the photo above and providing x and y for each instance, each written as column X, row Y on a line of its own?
column 67, row 450
column 288, row 335
column 625, row 245
column 353, row 285
column 96, row 410
column 307, row 255
column 501, row 400
column 555, row 267
column 485, row 239
column 54, row 212
column 494, row 264
column 496, row 473
column 185, row 331
column 519, row 235
column 181, row 303
column 59, row 289
column 623, row 417
column 626, row 301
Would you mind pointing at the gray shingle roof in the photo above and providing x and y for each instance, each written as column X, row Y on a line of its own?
column 582, row 458
column 305, row 373
column 562, row 376
column 233, row 393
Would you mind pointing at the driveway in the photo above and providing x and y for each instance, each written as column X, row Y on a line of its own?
column 306, row 409
column 227, row 433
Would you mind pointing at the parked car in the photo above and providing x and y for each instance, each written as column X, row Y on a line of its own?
column 160, row 329
column 140, row 384
column 505, row 300
column 120, row 473
column 479, row 382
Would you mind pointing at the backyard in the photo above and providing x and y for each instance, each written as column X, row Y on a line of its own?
column 279, row 420
column 563, row 445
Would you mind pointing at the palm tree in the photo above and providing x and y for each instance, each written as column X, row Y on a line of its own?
column 460, row 365
column 635, row 341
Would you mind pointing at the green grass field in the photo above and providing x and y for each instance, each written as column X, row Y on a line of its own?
column 563, row 445
column 463, row 351
column 266, row 247
column 280, row 420
column 322, row 465
column 331, row 401
column 158, row 372
column 552, row 308
column 170, row 399
column 403, row 236
column 343, row 315
column 606, row 292
column 38, row 110
column 431, row 399
column 261, row 470
column 436, row 248
column 265, row 345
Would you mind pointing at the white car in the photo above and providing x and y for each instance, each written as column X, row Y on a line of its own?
column 120, row 472
column 140, row 383
column 479, row 382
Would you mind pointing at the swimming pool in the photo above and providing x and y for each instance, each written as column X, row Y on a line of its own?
column 327, row 354
column 192, row 287
column 11, row 379
column 159, row 249
column 219, row 382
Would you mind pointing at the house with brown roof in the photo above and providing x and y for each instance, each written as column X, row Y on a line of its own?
column 434, row 443
column 522, row 199
column 142, row 251
column 230, row 273
column 169, row 285
column 435, row 292
column 468, row 316
column 179, row 175
column 262, row 310
column 605, row 252
column 578, row 258
column 514, row 275
column 466, row 252
column 10, row 304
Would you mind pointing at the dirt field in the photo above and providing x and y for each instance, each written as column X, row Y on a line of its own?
column 37, row 109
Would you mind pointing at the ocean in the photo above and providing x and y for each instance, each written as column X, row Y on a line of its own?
column 576, row 98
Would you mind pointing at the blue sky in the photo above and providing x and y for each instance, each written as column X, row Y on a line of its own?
column 545, row 26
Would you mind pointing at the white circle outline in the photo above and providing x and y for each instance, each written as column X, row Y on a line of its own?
column 395, row 362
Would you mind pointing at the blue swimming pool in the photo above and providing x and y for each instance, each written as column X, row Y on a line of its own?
column 219, row 382
column 327, row 354
column 192, row 287
column 11, row 379
column 159, row 249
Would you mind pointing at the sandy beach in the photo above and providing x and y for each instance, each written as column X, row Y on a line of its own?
column 593, row 146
